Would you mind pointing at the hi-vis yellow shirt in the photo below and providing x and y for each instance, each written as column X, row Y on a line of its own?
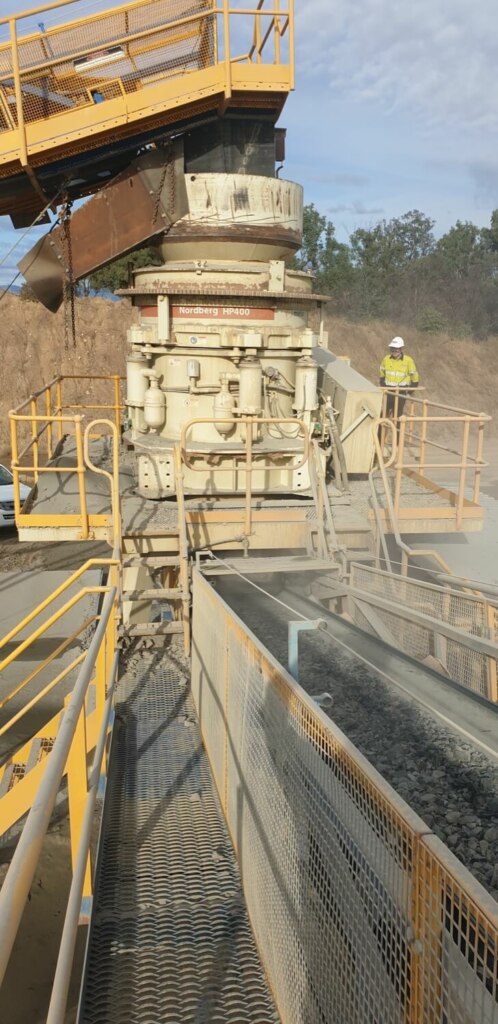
column 398, row 373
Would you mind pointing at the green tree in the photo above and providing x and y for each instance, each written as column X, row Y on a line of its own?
column 460, row 248
column 116, row 274
column 322, row 254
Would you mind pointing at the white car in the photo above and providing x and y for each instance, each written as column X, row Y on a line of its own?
column 7, row 517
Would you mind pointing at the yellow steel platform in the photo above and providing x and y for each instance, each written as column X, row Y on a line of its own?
column 90, row 91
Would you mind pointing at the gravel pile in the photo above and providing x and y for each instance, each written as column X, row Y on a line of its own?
column 448, row 782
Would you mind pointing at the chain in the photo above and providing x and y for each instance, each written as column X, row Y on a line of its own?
column 169, row 165
column 68, row 282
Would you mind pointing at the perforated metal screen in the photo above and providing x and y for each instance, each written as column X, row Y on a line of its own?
column 473, row 669
column 361, row 916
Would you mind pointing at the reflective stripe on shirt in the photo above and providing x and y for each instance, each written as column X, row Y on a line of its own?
column 398, row 372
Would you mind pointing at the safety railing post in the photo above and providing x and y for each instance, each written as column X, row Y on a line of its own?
column 183, row 549
column 399, row 464
column 58, row 399
column 479, row 454
column 21, row 127
column 248, row 509
column 226, row 46
column 463, row 472
column 413, row 1003
column 492, row 667
column 77, row 791
column 423, row 434
column 292, row 81
column 276, row 31
column 15, row 464
column 257, row 37
column 117, row 408
column 48, row 409
column 34, row 436
column 81, row 469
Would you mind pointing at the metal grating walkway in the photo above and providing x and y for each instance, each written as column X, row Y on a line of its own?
column 170, row 940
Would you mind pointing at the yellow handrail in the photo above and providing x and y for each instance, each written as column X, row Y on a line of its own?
column 41, row 665
column 91, row 563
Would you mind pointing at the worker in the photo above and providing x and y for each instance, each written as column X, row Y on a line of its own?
column 397, row 370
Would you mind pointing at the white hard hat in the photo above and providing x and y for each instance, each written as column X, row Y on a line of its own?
column 397, row 343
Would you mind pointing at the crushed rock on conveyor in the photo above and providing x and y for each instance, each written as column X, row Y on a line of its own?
column 449, row 783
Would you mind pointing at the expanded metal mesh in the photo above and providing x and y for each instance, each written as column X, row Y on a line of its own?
column 358, row 916
column 170, row 939
column 107, row 56
column 90, row 60
column 472, row 615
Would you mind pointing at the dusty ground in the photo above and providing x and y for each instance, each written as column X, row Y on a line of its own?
column 38, row 557
column 451, row 369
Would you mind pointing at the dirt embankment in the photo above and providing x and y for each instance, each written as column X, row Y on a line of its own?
column 33, row 349
column 454, row 370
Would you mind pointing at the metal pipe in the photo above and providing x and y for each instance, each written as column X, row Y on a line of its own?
column 58, row 393
column 486, row 588
column 392, row 516
column 294, row 629
column 19, row 877
column 112, row 477
column 478, row 463
column 34, row 441
column 399, row 467
column 268, row 420
column 49, row 427
column 337, row 444
column 62, row 978
column 463, row 473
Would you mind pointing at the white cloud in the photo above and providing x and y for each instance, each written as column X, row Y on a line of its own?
column 358, row 208
column 436, row 58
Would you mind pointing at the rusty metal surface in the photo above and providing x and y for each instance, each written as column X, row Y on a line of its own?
column 269, row 233
column 175, row 288
column 141, row 202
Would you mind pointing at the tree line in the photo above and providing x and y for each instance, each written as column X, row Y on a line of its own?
column 394, row 270
column 397, row 270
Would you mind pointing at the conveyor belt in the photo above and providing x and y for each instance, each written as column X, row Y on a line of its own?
column 170, row 940
column 468, row 714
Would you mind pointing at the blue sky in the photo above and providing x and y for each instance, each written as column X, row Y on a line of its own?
column 396, row 108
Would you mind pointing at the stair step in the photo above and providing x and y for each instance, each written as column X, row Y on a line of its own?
column 155, row 628
column 154, row 594
column 6, row 779
column 152, row 561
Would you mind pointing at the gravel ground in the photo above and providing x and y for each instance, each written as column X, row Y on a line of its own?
column 28, row 556
column 449, row 783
